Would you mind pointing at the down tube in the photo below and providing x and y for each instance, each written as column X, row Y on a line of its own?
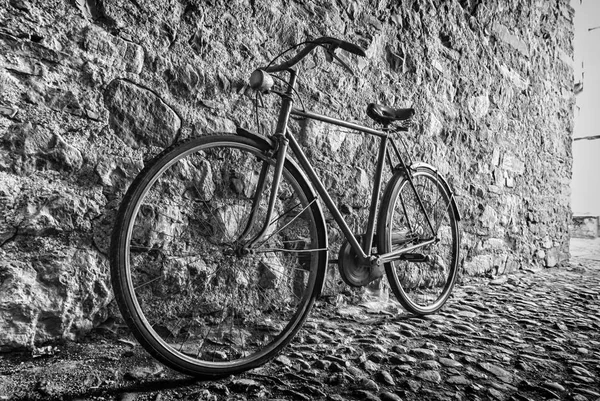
column 314, row 179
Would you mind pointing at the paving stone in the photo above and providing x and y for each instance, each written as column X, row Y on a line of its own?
column 588, row 392
column 366, row 395
column 377, row 357
column 497, row 371
column 386, row 378
column 413, row 385
column 370, row 366
column 466, row 314
column 399, row 349
column 389, row 396
column 284, row 360
column 458, row 379
column 367, row 384
column 447, row 362
column 432, row 376
column 336, row 359
column 554, row 386
column 356, row 372
column 579, row 370
column 475, row 373
column 422, row 353
column 403, row 369
column 496, row 394
column 430, row 365
column 402, row 359
column 584, row 379
column 430, row 346
column 244, row 385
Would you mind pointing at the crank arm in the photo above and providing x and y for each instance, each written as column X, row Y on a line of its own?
column 396, row 255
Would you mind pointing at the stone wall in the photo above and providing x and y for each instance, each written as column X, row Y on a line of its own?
column 90, row 89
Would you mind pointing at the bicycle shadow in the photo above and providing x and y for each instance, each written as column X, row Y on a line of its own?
column 138, row 388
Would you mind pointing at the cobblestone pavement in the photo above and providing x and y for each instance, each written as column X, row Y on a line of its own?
column 532, row 335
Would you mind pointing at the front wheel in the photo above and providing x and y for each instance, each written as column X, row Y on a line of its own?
column 422, row 279
column 196, row 284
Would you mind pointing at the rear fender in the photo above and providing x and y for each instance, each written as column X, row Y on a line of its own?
column 416, row 166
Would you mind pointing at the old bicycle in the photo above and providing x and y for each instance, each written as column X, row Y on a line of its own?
column 220, row 246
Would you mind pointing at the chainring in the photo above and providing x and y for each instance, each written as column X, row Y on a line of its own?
column 351, row 272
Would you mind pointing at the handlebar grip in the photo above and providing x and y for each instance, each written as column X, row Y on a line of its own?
column 352, row 48
column 342, row 44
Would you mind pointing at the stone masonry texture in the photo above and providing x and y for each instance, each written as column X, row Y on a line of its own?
column 91, row 89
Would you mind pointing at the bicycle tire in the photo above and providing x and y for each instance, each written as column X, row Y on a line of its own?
column 190, row 297
column 422, row 287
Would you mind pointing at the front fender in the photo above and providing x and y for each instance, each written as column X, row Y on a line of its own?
column 259, row 138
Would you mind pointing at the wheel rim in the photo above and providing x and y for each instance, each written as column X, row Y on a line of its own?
column 423, row 286
column 196, row 295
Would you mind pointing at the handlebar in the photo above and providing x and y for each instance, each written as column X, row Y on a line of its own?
column 328, row 42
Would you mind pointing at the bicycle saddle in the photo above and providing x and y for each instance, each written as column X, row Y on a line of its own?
column 386, row 115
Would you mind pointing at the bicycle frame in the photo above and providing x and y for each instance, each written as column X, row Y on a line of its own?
column 285, row 140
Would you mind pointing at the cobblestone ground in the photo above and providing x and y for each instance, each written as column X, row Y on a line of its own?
column 532, row 335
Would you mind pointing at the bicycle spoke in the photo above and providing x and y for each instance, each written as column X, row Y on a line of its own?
column 290, row 222
column 286, row 250
column 146, row 283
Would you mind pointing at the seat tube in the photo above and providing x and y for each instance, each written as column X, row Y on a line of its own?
column 282, row 146
column 368, row 239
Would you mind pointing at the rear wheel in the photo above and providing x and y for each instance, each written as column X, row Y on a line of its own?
column 422, row 279
column 192, row 288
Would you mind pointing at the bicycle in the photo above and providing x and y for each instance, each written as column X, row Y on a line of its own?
column 220, row 246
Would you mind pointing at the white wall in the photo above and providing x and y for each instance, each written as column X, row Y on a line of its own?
column 585, row 187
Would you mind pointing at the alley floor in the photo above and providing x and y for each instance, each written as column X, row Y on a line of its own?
column 531, row 335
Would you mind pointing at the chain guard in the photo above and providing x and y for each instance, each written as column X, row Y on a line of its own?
column 351, row 272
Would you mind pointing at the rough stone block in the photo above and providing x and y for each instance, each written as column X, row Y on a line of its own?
column 513, row 40
column 56, row 298
column 489, row 217
column 478, row 106
column 514, row 77
column 513, row 163
column 112, row 51
column 139, row 116
column 552, row 257
column 565, row 58
column 479, row 265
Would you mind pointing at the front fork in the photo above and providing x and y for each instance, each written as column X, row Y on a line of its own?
column 281, row 155
column 281, row 151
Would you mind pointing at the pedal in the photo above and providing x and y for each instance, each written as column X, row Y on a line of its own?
column 415, row 257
